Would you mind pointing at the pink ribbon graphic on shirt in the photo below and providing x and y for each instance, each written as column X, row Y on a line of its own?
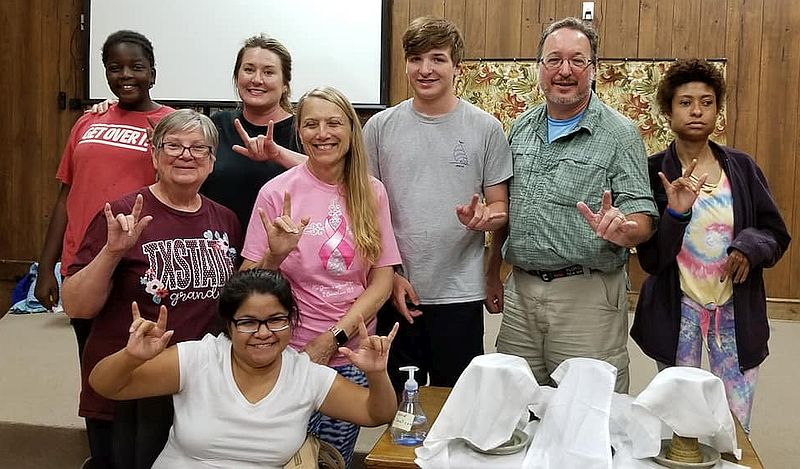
column 336, row 242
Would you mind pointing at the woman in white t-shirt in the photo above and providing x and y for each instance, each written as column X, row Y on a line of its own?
column 243, row 398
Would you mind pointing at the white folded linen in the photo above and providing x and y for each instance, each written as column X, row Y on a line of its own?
column 688, row 401
column 574, row 431
column 489, row 400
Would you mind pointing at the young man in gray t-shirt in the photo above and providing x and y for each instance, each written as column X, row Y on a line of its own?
column 445, row 164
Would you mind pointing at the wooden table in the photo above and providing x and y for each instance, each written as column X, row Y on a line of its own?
column 387, row 455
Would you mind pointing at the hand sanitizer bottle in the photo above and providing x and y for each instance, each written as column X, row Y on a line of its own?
column 410, row 425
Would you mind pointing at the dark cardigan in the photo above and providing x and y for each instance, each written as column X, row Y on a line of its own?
column 759, row 233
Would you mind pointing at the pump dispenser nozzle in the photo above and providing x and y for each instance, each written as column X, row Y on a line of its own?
column 410, row 425
column 411, row 383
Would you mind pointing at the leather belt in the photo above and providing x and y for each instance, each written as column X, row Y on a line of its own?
column 550, row 275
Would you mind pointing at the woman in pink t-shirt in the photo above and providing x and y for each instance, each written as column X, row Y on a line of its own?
column 339, row 253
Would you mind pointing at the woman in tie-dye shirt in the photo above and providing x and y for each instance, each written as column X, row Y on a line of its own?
column 719, row 228
column 326, row 226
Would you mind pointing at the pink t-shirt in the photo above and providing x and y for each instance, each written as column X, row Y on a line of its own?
column 326, row 273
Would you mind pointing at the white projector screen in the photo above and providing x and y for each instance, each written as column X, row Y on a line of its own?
column 335, row 43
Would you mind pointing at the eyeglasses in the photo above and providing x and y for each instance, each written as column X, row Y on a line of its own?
column 176, row 150
column 251, row 326
column 575, row 63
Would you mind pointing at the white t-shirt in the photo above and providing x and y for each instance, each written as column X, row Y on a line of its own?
column 215, row 426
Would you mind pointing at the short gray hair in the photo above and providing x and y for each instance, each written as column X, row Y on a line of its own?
column 187, row 120
column 571, row 23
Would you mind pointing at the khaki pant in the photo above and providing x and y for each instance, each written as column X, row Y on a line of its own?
column 580, row 316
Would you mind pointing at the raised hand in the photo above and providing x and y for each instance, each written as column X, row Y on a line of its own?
column 147, row 338
column 405, row 298
column 737, row 267
column 283, row 233
column 476, row 215
column 609, row 222
column 682, row 192
column 124, row 230
column 258, row 148
column 373, row 350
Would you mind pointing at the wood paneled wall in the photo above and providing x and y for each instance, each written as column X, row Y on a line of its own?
column 40, row 56
column 759, row 38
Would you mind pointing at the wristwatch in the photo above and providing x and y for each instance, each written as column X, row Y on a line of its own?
column 339, row 335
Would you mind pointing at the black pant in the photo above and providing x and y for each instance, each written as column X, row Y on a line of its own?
column 136, row 436
column 82, row 328
column 101, row 441
column 441, row 342
column 141, row 429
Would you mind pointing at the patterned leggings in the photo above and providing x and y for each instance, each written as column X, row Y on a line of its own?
column 342, row 435
column 722, row 354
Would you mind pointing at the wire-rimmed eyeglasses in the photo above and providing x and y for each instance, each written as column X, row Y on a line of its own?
column 575, row 63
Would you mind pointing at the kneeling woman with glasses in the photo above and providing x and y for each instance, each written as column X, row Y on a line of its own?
column 243, row 398
column 162, row 245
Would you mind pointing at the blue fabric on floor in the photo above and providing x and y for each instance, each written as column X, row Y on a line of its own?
column 29, row 304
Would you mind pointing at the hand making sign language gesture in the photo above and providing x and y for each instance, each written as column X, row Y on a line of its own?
column 258, row 148
column 682, row 192
column 373, row 350
column 609, row 222
column 147, row 338
column 283, row 233
column 124, row 230
column 478, row 216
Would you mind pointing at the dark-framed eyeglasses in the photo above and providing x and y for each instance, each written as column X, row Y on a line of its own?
column 575, row 63
column 176, row 150
column 252, row 325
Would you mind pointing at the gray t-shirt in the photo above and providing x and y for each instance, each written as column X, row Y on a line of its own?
column 429, row 165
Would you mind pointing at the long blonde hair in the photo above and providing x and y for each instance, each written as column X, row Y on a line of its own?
column 358, row 193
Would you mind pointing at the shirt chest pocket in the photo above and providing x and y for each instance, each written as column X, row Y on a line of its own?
column 574, row 179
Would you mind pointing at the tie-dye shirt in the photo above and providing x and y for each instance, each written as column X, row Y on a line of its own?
column 326, row 273
column 705, row 246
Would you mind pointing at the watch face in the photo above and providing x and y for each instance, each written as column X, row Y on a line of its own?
column 341, row 337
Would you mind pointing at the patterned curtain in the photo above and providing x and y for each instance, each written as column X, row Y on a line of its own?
column 507, row 88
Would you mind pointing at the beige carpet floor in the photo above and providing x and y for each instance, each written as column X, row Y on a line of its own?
column 39, row 386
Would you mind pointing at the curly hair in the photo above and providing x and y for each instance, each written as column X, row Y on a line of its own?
column 686, row 71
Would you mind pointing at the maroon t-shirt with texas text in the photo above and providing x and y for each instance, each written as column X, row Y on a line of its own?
column 181, row 260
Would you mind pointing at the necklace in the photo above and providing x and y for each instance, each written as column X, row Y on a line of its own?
column 707, row 187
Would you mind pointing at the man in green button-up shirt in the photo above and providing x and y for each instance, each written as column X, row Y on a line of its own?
column 579, row 198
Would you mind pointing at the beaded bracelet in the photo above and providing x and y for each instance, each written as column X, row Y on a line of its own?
column 678, row 215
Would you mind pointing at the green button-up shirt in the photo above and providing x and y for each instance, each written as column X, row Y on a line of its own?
column 603, row 152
